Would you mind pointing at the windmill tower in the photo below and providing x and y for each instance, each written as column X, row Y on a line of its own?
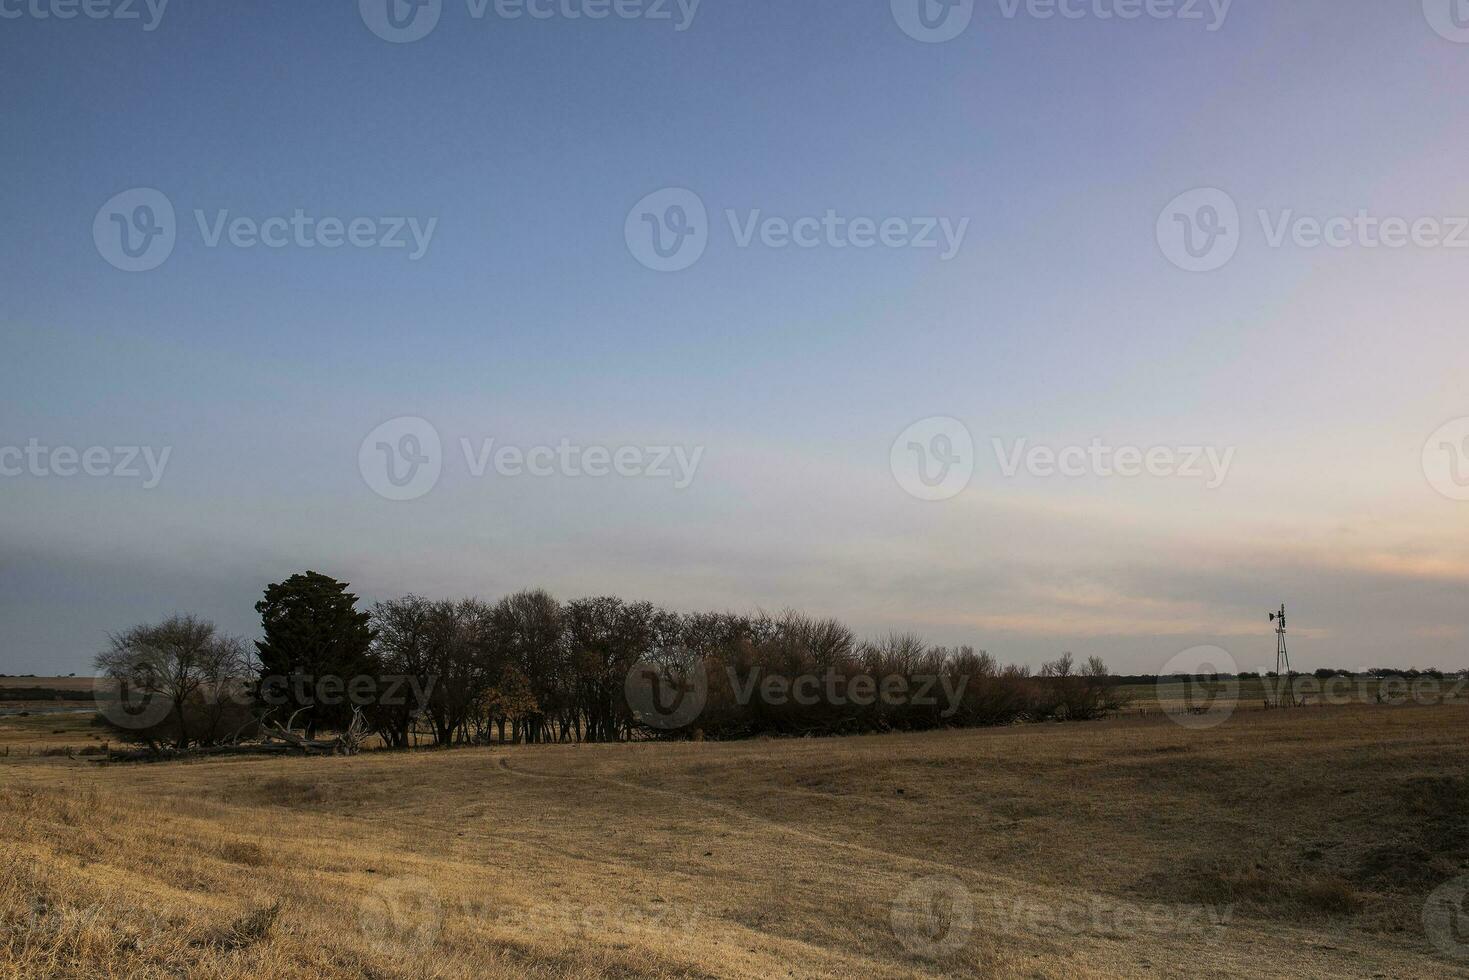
column 1285, row 696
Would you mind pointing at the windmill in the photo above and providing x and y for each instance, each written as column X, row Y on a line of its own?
column 1282, row 661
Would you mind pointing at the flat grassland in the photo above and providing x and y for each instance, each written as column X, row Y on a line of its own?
column 1251, row 693
column 1283, row 843
column 11, row 687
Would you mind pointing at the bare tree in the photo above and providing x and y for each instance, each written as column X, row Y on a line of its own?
column 186, row 663
column 526, row 633
column 457, row 647
column 401, row 647
column 1073, row 695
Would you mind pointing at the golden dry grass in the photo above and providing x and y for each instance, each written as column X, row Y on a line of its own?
column 1084, row 850
column 37, row 733
column 32, row 725
column 81, row 684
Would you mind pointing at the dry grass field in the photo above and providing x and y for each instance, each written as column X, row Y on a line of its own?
column 1285, row 844
column 71, row 683
column 1252, row 692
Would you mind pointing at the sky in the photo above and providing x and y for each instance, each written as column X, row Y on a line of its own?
column 744, row 305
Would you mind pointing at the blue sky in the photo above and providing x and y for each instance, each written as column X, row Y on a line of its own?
column 530, row 320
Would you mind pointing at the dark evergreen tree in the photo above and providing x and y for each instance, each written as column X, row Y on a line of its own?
column 318, row 641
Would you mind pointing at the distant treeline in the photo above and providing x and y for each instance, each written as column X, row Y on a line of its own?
column 1379, row 673
column 529, row 668
column 42, row 694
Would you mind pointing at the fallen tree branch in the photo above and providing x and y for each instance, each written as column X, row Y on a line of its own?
column 275, row 740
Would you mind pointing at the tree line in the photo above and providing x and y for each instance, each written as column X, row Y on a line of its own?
column 530, row 668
